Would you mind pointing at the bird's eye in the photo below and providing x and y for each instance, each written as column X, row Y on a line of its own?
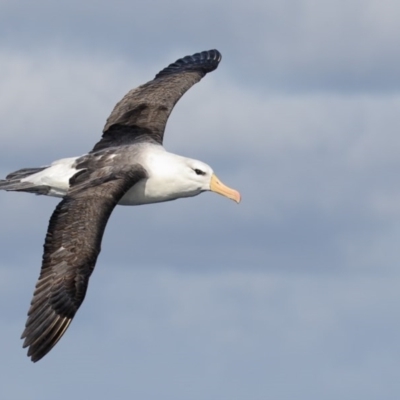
column 199, row 172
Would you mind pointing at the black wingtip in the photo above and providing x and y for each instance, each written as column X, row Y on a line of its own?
column 206, row 61
column 41, row 340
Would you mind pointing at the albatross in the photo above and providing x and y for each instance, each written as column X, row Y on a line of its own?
column 128, row 166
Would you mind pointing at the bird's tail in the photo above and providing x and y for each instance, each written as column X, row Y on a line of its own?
column 13, row 181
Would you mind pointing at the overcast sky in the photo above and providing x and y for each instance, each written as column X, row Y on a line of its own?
column 294, row 293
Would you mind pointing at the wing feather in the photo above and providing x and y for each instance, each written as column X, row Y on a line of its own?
column 71, row 248
column 143, row 113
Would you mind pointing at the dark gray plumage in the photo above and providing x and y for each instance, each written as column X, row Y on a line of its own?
column 143, row 113
column 92, row 185
column 71, row 248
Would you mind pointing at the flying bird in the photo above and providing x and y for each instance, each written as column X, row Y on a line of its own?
column 128, row 166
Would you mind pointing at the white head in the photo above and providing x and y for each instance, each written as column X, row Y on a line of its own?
column 191, row 177
column 172, row 176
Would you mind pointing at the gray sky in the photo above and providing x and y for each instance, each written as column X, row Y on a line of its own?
column 293, row 294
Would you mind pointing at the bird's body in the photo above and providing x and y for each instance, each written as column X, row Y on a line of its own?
column 128, row 166
column 162, row 169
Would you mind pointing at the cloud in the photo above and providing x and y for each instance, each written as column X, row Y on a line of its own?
column 246, row 331
column 339, row 46
column 292, row 293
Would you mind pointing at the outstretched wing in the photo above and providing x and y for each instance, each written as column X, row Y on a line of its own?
column 143, row 113
column 70, row 252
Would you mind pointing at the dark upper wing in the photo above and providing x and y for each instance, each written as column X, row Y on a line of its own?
column 143, row 113
column 70, row 251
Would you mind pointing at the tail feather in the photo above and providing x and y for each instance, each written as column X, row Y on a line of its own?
column 13, row 182
column 23, row 173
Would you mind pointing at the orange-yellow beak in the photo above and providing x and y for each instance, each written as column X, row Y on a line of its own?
column 218, row 187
